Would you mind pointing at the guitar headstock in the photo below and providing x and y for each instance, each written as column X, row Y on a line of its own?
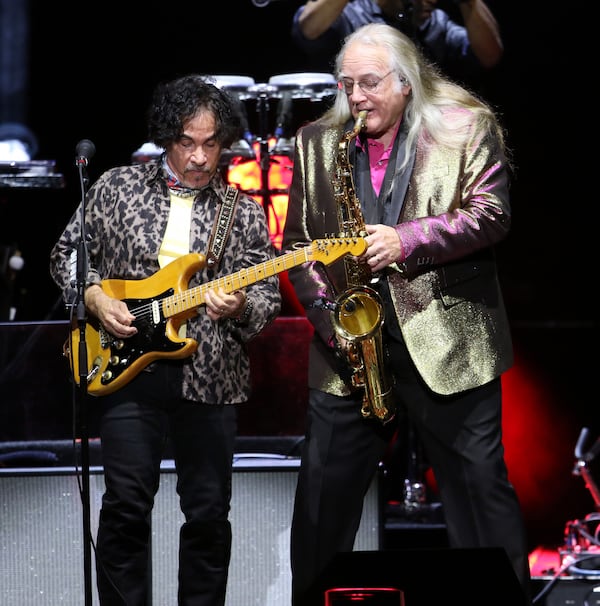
column 328, row 250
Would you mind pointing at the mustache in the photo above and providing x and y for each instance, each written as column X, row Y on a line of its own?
column 196, row 168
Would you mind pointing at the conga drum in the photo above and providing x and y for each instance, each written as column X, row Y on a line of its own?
column 300, row 100
column 314, row 86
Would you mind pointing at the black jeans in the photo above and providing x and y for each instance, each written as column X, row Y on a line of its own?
column 134, row 425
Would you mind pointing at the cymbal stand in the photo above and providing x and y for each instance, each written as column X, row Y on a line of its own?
column 414, row 489
column 583, row 459
column 264, row 93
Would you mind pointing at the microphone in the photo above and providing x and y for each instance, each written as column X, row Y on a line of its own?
column 85, row 150
column 243, row 147
column 241, row 106
column 284, row 115
column 284, row 145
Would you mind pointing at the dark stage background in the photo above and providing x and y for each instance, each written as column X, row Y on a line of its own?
column 93, row 66
column 93, row 78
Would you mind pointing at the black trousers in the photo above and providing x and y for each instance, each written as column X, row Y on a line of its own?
column 462, row 440
column 134, row 425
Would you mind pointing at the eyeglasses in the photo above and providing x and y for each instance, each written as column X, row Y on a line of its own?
column 370, row 85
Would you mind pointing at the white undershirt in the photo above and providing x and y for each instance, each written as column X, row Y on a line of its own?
column 176, row 241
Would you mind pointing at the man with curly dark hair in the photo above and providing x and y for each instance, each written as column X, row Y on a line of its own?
column 150, row 226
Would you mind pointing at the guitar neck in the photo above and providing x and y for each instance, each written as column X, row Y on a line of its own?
column 194, row 297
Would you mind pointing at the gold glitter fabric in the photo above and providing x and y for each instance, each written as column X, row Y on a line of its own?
column 445, row 289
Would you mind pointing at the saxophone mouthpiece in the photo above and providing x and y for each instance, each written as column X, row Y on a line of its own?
column 361, row 120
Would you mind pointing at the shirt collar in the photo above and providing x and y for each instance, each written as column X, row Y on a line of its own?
column 362, row 144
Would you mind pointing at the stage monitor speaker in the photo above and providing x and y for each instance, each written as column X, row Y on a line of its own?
column 574, row 592
column 426, row 577
column 41, row 525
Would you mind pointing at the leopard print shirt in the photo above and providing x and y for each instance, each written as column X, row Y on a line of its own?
column 127, row 210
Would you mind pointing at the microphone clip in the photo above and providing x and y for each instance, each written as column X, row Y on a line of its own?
column 85, row 150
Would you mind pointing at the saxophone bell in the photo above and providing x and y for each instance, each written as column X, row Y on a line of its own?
column 357, row 318
column 358, row 313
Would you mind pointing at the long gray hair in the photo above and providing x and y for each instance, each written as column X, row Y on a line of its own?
column 439, row 111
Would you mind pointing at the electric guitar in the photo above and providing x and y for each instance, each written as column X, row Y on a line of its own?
column 162, row 302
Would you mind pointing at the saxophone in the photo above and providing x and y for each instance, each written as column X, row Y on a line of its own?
column 357, row 315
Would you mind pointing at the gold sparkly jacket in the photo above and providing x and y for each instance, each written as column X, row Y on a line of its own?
column 445, row 290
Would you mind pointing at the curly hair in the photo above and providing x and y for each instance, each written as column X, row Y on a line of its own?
column 176, row 102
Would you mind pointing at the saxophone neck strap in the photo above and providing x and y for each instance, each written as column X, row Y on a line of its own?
column 222, row 227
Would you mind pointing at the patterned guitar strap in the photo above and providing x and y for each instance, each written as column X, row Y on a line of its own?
column 222, row 227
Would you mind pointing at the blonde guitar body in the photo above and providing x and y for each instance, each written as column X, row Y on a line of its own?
column 162, row 302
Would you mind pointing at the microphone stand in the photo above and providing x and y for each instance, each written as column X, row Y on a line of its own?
column 81, row 412
column 265, row 157
column 264, row 93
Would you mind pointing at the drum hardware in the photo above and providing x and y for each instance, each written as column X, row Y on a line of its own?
column 414, row 491
column 240, row 151
column 310, row 86
column 284, row 147
column 239, row 88
column 580, row 554
column 285, row 89
column 32, row 174
column 284, row 143
column 263, row 93
column 18, row 143
column 314, row 86
column 268, row 147
column 146, row 152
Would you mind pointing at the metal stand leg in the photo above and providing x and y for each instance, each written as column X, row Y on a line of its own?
column 414, row 491
column 263, row 93
column 580, row 554
column 414, row 505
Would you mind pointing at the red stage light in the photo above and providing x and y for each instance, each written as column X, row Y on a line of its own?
column 247, row 176
column 364, row 596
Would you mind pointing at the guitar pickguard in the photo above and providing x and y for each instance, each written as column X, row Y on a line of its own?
column 114, row 359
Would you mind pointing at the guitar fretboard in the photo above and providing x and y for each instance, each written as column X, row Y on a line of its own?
column 324, row 250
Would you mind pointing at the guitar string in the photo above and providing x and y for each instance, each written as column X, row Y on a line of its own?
column 145, row 310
